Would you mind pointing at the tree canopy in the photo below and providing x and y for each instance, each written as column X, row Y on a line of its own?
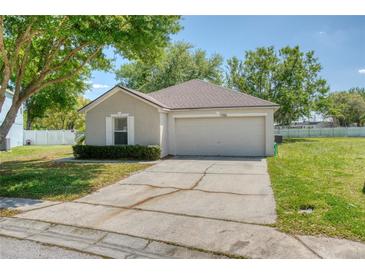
column 347, row 107
column 180, row 62
column 37, row 52
column 58, row 96
column 288, row 77
column 63, row 117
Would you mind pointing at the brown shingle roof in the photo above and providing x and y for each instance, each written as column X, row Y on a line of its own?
column 145, row 96
column 195, row 94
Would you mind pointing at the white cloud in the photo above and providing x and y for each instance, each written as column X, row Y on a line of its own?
column 322, row 32
column 97, row 86
column 362, row 71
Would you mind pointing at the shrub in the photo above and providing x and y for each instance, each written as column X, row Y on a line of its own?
column 80, row 139
column 117, row 152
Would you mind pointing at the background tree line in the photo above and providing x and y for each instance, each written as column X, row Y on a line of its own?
column 288, row 77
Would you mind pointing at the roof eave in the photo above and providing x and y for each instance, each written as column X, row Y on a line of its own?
column 228, row 107
column 110, row 92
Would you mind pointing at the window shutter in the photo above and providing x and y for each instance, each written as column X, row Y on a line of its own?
column 108, row 131
column 130, row 125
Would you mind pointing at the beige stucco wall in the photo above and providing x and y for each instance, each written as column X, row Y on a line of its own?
column 146, row 119
column 267, row 113
column 155, row 126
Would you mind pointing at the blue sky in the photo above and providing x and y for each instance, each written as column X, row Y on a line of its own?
column 338, row 42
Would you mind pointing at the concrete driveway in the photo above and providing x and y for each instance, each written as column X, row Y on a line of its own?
column 215, row 188
column 220, row 205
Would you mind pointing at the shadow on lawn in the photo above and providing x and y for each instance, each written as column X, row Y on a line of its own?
column 38, row 179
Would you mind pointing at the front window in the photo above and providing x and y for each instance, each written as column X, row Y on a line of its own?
column 120, row 131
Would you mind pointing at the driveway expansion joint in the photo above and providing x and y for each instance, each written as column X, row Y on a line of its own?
column 124, row 248
column 170, row 213
column 305, row 245
column 57, row 245
column 195, row 189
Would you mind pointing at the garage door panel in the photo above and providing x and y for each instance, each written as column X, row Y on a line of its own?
column 233, row 136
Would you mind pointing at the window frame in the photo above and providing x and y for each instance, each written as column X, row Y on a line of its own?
column 119, row 130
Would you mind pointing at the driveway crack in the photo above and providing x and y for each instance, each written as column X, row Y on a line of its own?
column 201, row 177
column 152, row 198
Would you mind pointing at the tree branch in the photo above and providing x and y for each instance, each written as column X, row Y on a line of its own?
column 55, row 47
column 33, row 88
column 9, row 62
column 68, row 57
column 20, row 41
column 20, row 72
column 6, row 63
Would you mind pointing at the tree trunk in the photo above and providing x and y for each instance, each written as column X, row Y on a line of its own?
column 29, row 121
column 2, row 100
column 8, row 121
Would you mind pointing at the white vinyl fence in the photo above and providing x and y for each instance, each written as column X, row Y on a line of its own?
column 50, row 137
column 321, row 132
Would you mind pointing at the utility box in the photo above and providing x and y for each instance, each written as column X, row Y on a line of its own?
column 278, row 139
column 5, row 146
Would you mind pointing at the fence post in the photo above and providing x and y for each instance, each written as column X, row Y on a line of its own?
column 63, row 137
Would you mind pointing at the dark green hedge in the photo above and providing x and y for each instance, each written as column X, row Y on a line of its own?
column 117, row 152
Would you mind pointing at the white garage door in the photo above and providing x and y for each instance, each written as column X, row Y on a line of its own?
column 243, row 136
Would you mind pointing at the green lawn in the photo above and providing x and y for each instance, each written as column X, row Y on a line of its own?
column 31, row 172
column 326, row 173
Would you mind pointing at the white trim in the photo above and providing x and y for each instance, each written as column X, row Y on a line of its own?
column 224, row 108
column 98, row 100
column 130, row 130
column 112, row 92
column 197, row 115
column 108, row 131
column 218, row 115
column 119, row 115
column 163, row 110
column 110, row 128
column 245, row 114
column 164, row 134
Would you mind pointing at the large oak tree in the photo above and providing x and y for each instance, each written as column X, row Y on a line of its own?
column 37, row 52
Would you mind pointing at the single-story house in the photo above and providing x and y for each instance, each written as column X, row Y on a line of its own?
column 15, row 135
column 192, row 118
